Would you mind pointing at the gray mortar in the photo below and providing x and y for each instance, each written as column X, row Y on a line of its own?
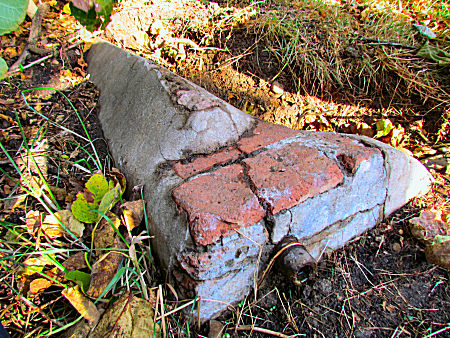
column 151, row 116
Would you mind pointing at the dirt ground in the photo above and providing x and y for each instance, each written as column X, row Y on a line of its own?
column 380, row 284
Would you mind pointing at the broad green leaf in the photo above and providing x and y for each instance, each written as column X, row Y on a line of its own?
column 384, row 127
column 81, row 278
column 98, row 185
column 84, row 211
column 425, row 31
column 3, row 68
column 109, row 199
column 12, row 13
column 90, row 13
column 89, row 19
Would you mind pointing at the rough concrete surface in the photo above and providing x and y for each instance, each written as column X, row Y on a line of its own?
column 223, row 187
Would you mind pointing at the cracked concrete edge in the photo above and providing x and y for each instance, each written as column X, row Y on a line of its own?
column 407, row 177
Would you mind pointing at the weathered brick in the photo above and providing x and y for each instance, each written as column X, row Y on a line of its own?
column 205, row 162
column 264, row 134
column 230, row 254
column 348, row 151
column 287, row 176
column 217, row 203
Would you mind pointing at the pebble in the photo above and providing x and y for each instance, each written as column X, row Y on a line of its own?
column 277, row 89
column 396, row 247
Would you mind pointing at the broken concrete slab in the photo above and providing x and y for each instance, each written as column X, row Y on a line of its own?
column 223, row 188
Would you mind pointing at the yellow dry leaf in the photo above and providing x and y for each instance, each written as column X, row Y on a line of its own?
column 103, row 271
column 53, row 228
column 129, row 316
column 133, row 213
column 87, row 46
column 33, row 221
column 66, row 76
column 39, row 284
column 10, row 52
column 36, row 264
column 42, row 260
column 82, row 304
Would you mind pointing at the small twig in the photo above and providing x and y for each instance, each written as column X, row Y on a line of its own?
column 266, row 331
column 163, row 320
column 177, row 309
column 35, row 62
column 377, row 42
column 35, row 30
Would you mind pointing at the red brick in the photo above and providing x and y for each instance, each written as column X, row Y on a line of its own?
column 206, row 162
column 217, row 203
column 350, row 153
column 264, row 134
column 287, row 176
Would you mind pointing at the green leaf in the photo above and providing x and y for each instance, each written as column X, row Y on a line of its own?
column 12, row 13
column 82, row 210
column 98, row 186
column 109, row 199
column 83, row 279
column 92, row 14
column 384, row 127
column 89, row 19
column 3, row 68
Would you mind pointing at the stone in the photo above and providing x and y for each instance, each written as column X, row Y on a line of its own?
column 224, row 189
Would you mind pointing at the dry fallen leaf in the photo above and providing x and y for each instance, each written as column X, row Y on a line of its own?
column 103, row 271
column 39, row 284
column 53, row 229
column 128, row 317
column 33, row 221
column 432, row 228
column 133, row 213
column 104, row 235
column 75, row 262
column 59, row 193
column 82, row 304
